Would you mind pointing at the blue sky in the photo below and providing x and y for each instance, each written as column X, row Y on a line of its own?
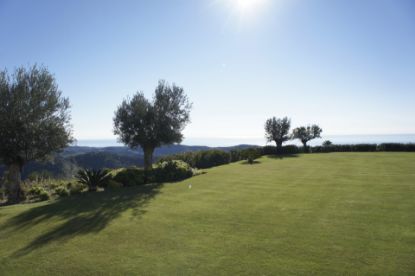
column 346, row 65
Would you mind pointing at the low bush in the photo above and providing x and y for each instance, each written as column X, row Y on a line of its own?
column 251, row 154
column 130, row 177
column 269, row 150
column 113, row 185
column 364, row 147
column 76, row 188
column 211, row 158
column 172, row 170
column 38, row 193
column 396, row 147
column 62, row 191
column 2, row 194
column 346, row 148
column 291, row 149
column 202, row 159
column 288, row 149
column 235, row 155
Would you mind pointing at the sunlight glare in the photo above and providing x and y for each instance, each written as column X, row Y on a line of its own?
column 247, row 8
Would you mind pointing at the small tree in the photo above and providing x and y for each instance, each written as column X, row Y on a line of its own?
column 327, row 143
column 252, row 154
column 305, row 134
column 34, row 121
column 141, row 123
column 277, row 130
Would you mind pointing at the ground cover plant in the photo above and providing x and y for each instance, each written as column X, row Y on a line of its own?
column 334, row 213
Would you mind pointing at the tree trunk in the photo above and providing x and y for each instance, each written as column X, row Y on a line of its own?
column 305, row 146
column 13, row 182
column 279, row 146
column 148, row 158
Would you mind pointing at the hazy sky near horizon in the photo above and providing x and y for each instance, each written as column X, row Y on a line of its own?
column 346, row 65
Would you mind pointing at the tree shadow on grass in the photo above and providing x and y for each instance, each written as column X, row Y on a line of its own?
column 282, row 156
column 83, row 214
column 253, row 163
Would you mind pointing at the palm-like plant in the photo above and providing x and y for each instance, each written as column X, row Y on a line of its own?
column 92, row 178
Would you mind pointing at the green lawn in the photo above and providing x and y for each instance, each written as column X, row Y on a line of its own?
column 337, row 213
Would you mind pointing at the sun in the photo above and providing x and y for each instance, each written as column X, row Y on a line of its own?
column 245, row 11
column 247, row 7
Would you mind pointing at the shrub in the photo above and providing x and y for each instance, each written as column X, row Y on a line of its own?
column 202, row 159
column 396, row 147
column 364, row 147
column 288, row 149
column 172, row 170
column 251, row 154
column 211, row 158
column 92, row 178
column 38, row 193
column 346, row 148
column 291, row 149
column 112, row 184
column 62, row 191
column 269, row 150
column 76, row 188
column 2, row 194
column 130, row 177
column 235, row 155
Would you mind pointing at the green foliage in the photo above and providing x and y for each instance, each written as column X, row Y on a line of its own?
column 62, row 191
column 76, row 188
column 288, row 149
column 327, row 143
column 92, row 178
column 235, row 155
column 34, row 120
column 130, row 177
column 250, row 155
column 305, row 134
column 38, row 193
column 269, row 150
column 113, row 185
column 277, row 130
column 211, row 158
column 2, row 194
column 172, row 170
column 396, row 147
column 202, row 159
column 141, row 123
column 346, row 148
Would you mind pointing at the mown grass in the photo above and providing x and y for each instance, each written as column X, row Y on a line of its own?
column 339, row 213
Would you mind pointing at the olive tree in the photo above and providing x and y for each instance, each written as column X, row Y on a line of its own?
column 277, row 130
column 139, row 122
column 34, row 121
column 305, row 134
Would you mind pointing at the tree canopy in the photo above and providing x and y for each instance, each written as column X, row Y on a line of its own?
column 139, row 122
column 34, row 119
column 305, row 134
column 277, row 130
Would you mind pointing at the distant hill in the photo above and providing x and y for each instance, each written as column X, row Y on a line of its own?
column 66, row 163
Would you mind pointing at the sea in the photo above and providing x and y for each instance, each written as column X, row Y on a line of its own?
column 260, row 141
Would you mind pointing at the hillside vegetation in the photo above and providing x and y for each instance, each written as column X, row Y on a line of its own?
column 335, row 213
